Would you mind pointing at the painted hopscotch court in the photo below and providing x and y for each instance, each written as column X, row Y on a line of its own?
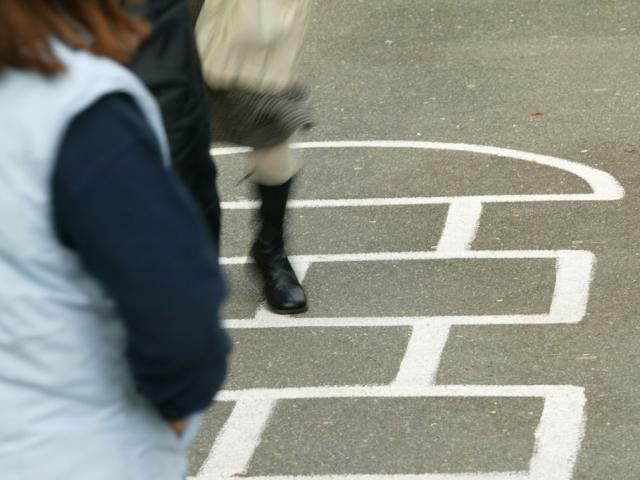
column 558, row 428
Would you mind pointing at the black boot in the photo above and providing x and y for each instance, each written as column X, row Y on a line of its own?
column 282, row 289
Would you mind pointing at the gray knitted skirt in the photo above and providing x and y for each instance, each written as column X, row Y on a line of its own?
column 258, row 119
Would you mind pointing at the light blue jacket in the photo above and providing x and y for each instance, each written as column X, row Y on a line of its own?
column 68, row 405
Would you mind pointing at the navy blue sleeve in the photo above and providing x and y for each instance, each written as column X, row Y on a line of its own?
column 137, row 230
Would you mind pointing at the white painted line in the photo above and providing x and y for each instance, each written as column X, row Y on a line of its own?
column 461, row 226
column 414, row 256
column 604, row 186
column 300, row 267
column 427, row 476
column 559, row 436
column 388, row 391
column 421, row 360
column 412, row 201
column 574, row 274
column 236, row 443
column 222, row 151
column 280, row 321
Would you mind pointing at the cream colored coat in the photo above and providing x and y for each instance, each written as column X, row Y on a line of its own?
column 251, row 44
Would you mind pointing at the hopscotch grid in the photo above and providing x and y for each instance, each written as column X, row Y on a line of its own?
column 572, row 267
column 411, row 373
column 562, row 415
column 562, row 419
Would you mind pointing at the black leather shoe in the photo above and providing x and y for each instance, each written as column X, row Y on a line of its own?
column 282, row 289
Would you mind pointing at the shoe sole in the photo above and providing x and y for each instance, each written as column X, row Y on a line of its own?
column 288, row 312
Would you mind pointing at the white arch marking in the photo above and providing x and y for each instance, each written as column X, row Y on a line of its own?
column 604, row 186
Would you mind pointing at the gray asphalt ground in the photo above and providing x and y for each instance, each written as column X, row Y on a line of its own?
column 460, row 71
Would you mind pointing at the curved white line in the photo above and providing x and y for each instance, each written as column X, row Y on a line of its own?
column 604, row 186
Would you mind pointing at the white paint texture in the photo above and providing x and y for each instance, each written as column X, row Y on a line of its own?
column 559, row 434
column 434, row 476
column 461, row 226
column 421, row 360
column 238, row 439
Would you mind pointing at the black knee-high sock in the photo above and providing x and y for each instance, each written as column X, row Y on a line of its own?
column 273, row 213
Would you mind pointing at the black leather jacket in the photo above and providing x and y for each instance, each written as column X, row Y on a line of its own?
column 169, row 65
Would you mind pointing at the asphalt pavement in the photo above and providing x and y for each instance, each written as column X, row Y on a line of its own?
column 470, row 258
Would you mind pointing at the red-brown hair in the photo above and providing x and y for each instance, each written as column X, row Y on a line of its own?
column 27, row 25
